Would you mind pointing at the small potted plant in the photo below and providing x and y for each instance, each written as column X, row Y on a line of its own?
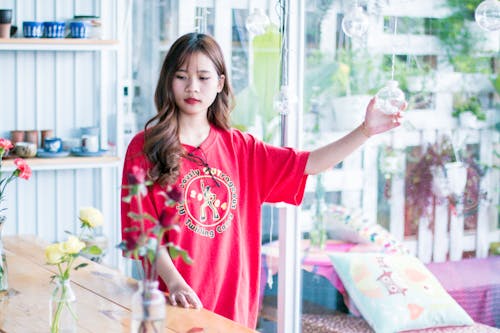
column 437, row 176
column 469, row 112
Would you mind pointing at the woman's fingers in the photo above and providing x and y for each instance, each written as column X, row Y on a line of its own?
column 171, row 299
column 184, row 299
column 194, row 300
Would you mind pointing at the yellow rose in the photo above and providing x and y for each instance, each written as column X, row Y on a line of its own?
column 54, row 253
column 91, row 217
column 73, row 245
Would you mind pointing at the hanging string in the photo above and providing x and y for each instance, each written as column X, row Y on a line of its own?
column 269, row 271
column 393, row 48
column 283, row 15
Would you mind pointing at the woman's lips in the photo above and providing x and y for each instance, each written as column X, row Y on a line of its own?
column 191, row 101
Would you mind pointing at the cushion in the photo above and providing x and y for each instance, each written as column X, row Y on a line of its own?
column 396, row 292
column 349, row 224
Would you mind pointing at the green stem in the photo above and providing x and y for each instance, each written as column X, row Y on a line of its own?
column 61, row 302
column 7, row 181
column 55, row 322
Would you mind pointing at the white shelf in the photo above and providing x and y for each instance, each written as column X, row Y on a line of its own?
column 57, row 44
column 65, row 163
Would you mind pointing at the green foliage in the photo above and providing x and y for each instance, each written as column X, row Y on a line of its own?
column 405, row 67
column 495, row 81
column 471, row 105
column 357, row 73
column 257, row 99
column 466, row 63
column 460, row 42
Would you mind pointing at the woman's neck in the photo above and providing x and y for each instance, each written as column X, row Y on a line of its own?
column 193, row 133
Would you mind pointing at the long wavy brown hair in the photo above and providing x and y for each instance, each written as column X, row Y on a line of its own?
column 162, row 145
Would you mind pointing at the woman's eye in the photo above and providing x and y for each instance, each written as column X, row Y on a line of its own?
column 180, row 77
column 203, row 78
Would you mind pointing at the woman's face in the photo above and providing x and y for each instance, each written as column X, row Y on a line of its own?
column 196, row 84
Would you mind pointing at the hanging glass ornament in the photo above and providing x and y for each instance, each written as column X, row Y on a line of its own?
column 355, row 22
column 284, row 100
column 487, row 15
column 390, row 99
column 257, row 22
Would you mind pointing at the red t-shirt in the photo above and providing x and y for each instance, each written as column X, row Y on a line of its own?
column 220, row 216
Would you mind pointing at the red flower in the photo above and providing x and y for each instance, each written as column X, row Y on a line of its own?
column 138, row 176
column 168, row 216
column 23, row 168
column 175, row 194
column 131, row 240
column 5, row 145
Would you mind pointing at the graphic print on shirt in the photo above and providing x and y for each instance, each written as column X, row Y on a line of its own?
column 209, row 199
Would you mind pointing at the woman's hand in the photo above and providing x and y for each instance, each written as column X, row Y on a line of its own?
column 378, row 122
column 182, row 295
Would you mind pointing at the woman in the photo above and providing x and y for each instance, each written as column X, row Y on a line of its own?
column 225, row 177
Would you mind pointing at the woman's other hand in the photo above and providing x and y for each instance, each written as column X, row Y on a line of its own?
column 378, row 122
column 184, row 296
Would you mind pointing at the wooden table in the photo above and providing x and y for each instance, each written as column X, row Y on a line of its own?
column 103, row 297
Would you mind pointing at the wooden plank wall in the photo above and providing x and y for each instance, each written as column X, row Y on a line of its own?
column 62, row 91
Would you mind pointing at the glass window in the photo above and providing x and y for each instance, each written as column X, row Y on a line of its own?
column 379, row 181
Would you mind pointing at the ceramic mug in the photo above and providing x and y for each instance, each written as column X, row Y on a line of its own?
column 25, row 149
column 90, row 143
column 16, row 136
column 79, row 29
column 5, row 22
column 46, row 133
column 32, row 29
column 31, row 136
column 53, row 145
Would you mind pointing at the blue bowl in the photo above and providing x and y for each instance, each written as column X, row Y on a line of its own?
column 32, row 29
column 53, row 29
column 79, row 29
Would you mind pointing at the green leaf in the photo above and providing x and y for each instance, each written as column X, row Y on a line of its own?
column 175, row 251
column 151, row 255
column 93, row 250
column 135, row 216
column 149, row 217
column 81, row 266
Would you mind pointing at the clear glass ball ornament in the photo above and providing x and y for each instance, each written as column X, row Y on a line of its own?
column 284, row 100
column 355, row 22
column 257, row 22
column 487, row 15
column 390, row 99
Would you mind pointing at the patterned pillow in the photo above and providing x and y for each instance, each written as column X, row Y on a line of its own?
column 349, row 224
column 396, row 292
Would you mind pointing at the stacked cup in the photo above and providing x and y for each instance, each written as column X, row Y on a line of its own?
column 5, row 22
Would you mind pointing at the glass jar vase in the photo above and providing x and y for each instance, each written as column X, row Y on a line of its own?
column 148, row 308
column 63, row 317
column 4, row 285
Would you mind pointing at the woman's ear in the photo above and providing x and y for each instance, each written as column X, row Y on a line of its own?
column 220, row 84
